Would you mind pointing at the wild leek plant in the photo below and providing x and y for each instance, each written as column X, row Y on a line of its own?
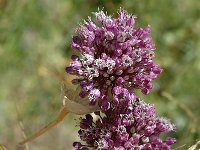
column 116, row 59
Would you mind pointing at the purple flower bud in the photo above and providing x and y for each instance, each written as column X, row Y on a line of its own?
column 108, row 22
column 131, row 21
column 115, row 101
column 164, row 125
column 109, row 35
column 69, row 69
column 135, row 138
column 100, row 16
column 118, row 52
column 94, row 93
column 91, row 25
column 105, row 105
column 170, row 141
column 145, row 91
column 128, row 145
column 149, row 130
column 82, row 94
column 120, row 81
column 147, row 146
column 76, row 42
column 157, row 69
column 119, row 148
column 77, row 145
column 76, row 64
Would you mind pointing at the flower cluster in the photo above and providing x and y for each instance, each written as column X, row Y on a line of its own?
column 113, row 53
column 116, row 59
column 134, row 127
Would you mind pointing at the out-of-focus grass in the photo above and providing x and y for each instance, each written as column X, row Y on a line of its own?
column 34, row 47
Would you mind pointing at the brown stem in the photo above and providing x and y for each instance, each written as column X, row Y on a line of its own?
column 53, row 123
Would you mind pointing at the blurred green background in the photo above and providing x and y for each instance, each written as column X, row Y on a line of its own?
column 35, row 47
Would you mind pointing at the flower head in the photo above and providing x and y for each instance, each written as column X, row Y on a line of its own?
column 132, row 127
column 114, row 53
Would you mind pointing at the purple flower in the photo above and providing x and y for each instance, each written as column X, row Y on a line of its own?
column 114, row 54
column 116, row 58
column 135, row 126
column 122, row 95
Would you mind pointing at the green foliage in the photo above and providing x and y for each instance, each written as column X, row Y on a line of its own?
column 35, row 44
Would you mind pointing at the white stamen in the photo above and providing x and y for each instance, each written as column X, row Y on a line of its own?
column 127, row 61
column 87, row 59
column 92, row 72
column 145, row 139
column 121, row 129
column 100, row 63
